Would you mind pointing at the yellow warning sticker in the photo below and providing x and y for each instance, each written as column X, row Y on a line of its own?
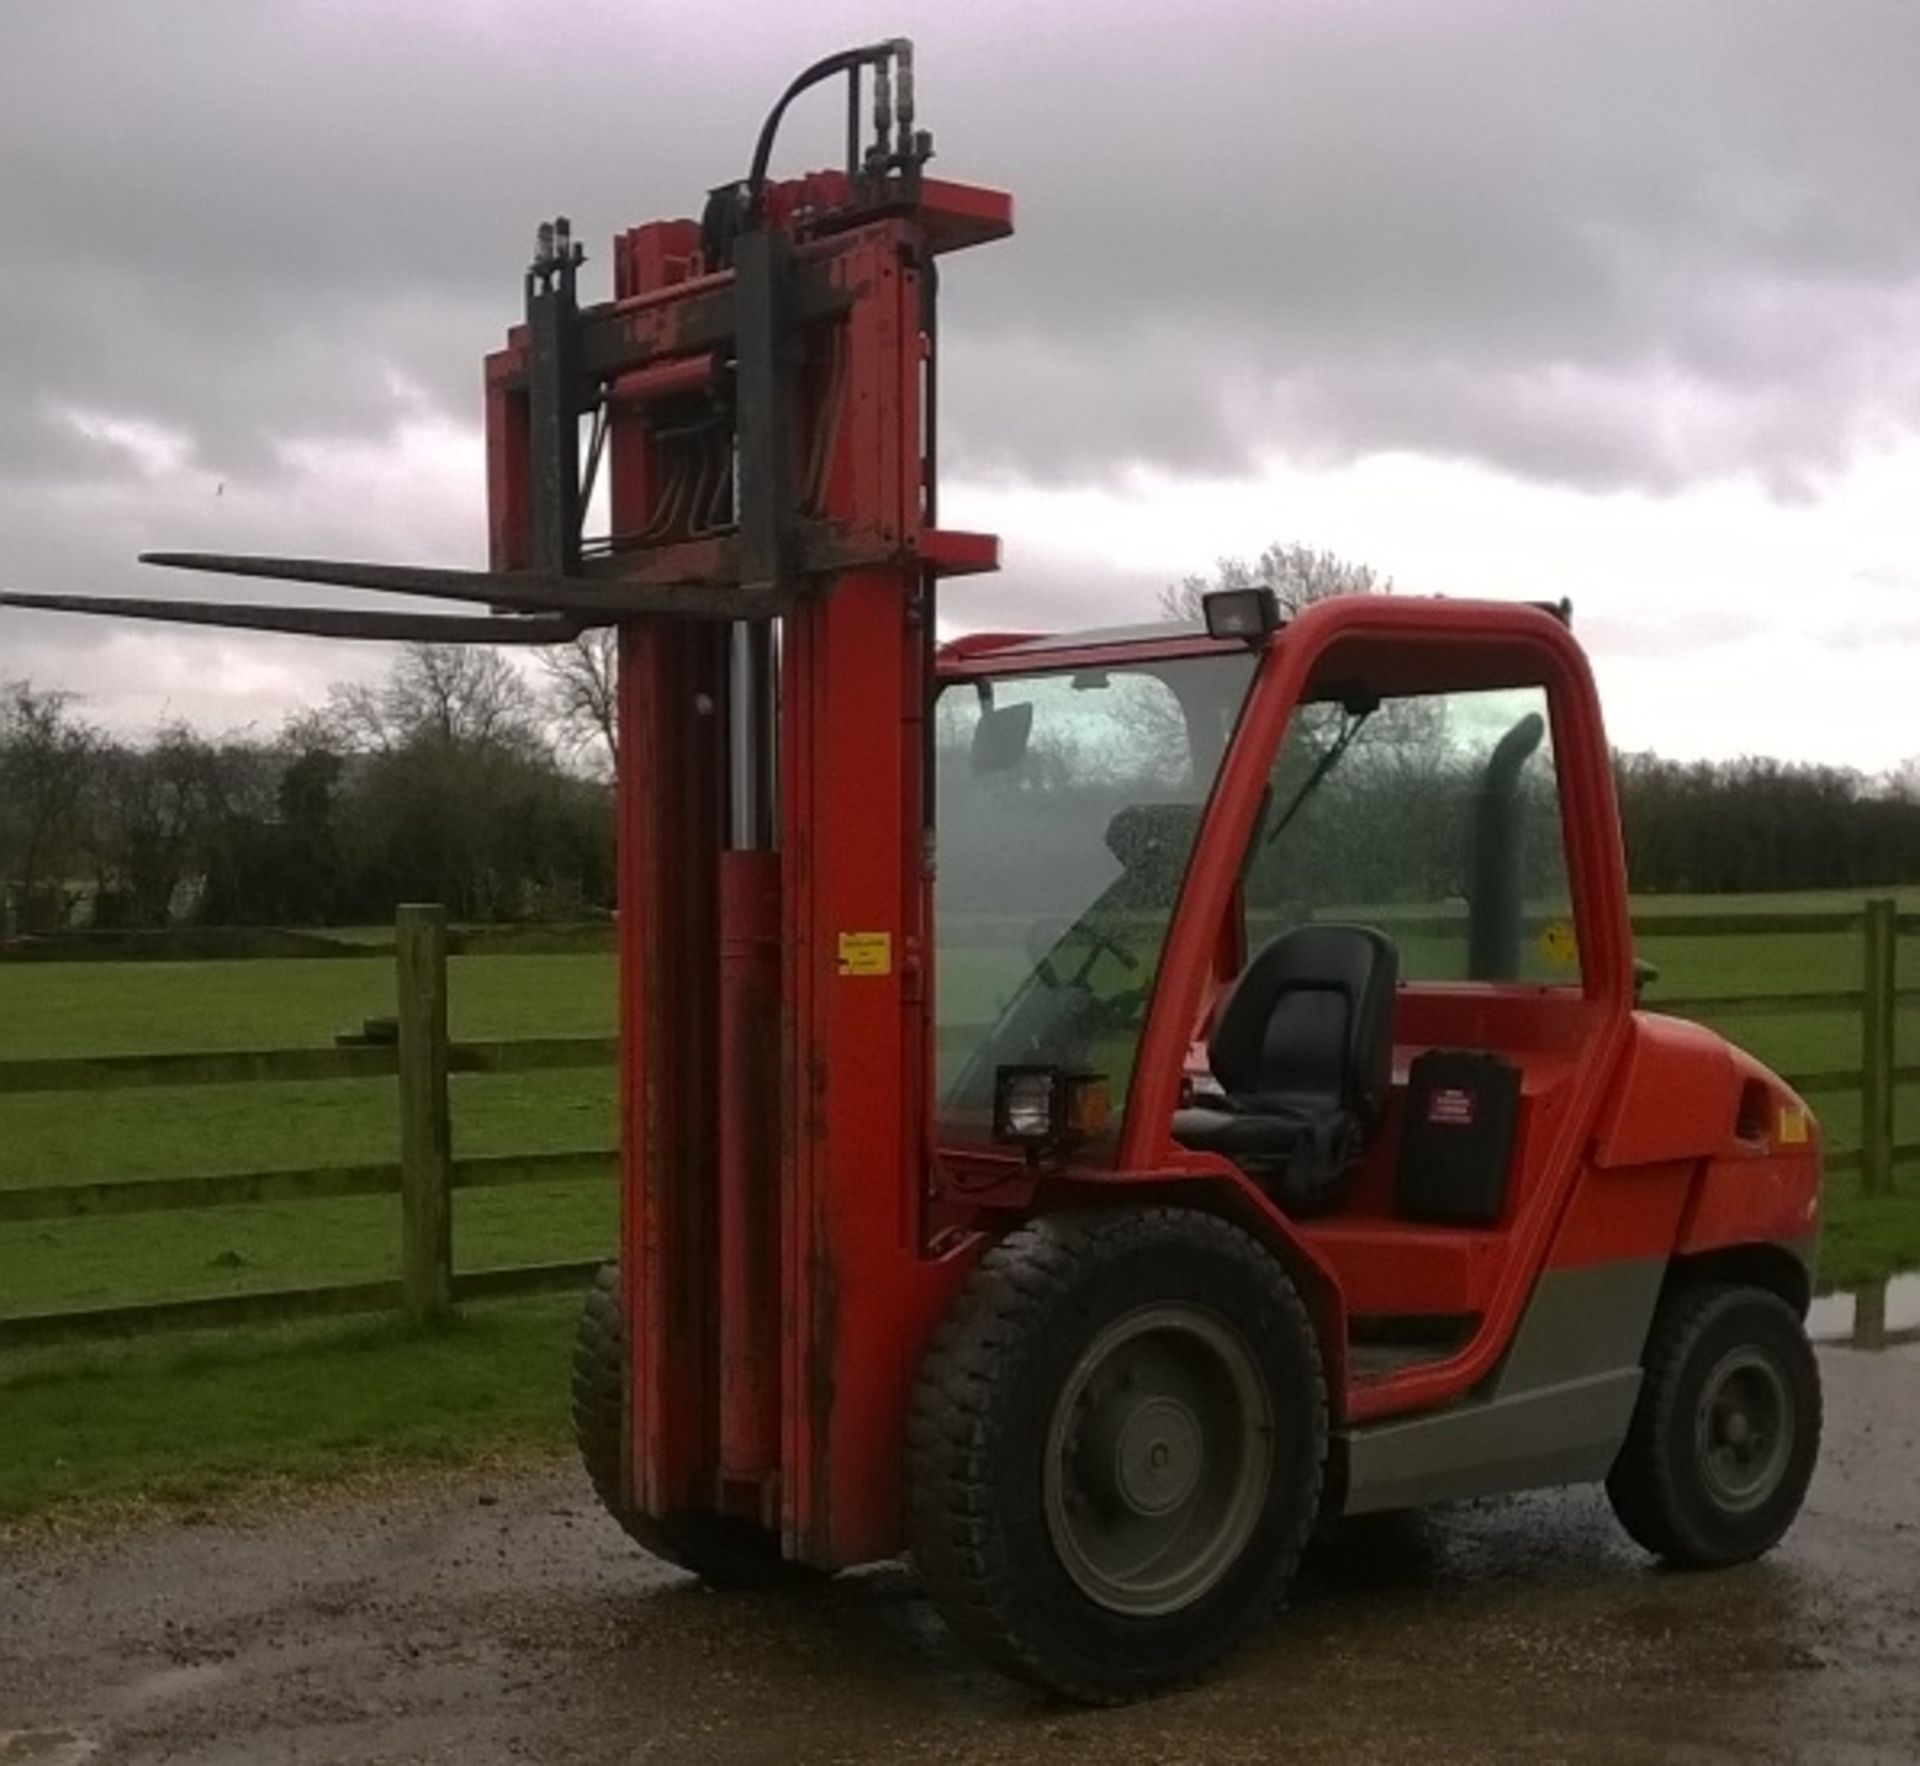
column 1791, row 1128
column 1558, row 944
column 866, row 953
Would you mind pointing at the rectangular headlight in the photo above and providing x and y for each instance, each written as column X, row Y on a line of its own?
column 1246, row 614
column 1025, row 1100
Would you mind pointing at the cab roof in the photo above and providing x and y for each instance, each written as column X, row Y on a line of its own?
column 1495, row 623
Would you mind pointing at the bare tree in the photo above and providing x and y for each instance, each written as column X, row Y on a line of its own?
column 1410, row 731
column 450, row 695
column 1298, row 576
column 581, row 691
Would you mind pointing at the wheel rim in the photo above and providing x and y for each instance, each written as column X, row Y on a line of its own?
column 1743, row 1429
column 1158, row 1459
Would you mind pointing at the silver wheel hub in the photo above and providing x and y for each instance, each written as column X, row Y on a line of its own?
column 1159, row 1456
column 1744, row 1429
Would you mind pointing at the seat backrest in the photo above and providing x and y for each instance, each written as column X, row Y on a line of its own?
column 1311, row 1018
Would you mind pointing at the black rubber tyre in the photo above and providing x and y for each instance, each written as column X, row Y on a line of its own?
column 1723, row 1441
column 1013, row 1406
column 722, row 1550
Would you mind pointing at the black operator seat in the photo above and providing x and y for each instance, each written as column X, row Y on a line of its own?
column 1302, row 1054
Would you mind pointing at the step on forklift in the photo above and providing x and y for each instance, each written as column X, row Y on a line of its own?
column 1094, row 1106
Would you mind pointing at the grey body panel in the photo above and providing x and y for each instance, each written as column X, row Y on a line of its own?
column 1554, row 1412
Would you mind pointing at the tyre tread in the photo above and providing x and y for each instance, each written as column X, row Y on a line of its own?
column 953, row 1429
column 1642, row 1487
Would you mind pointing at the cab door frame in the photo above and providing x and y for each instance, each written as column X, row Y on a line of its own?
column 1475, row 644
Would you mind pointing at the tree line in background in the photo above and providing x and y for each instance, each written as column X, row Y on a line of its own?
column 1740, row 825
column 457, row 779
column 461, row 779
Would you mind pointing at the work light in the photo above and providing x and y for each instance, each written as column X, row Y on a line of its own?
column 1246, row 614
column 1037, row 1106
column 1023, row 1103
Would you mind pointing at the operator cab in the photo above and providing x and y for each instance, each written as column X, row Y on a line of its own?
column 1395, row 1009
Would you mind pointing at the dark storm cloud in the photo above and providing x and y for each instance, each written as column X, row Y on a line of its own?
column 1602, row 242
column 1605, row 241
column 1606, row 244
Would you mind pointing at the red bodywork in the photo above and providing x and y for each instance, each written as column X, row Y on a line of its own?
column 790, row 1233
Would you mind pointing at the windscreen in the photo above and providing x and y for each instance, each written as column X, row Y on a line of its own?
column 1068, row 804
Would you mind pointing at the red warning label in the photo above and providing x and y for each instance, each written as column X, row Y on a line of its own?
column 1451, row 1106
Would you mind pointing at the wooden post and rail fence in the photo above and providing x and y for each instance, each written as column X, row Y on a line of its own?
column 416, row 1051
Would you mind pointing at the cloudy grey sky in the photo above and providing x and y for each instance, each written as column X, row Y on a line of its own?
column 1610, row 298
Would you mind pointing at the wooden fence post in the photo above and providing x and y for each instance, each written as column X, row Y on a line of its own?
column 426, row 1137
column 1870, row 1316
column 1878, row 983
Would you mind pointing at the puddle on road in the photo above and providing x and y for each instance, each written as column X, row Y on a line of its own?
column 45, row 1747
column 1868, row 1317
column 176, row 1682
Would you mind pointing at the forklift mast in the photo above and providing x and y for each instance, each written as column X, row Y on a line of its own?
column 763, row 393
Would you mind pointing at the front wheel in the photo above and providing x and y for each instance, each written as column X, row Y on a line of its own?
column 1724, row 1438
column 1115, row 1449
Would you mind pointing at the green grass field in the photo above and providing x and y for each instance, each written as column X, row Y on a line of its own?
column 114, row 1008
column 180, row 1416
column 177, row 1417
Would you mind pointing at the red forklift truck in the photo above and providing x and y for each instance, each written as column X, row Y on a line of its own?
column 1093, row 1106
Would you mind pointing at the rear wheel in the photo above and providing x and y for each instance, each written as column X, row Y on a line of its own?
column 1116, row 1445
column 1724, row 1438
column 723, row 1550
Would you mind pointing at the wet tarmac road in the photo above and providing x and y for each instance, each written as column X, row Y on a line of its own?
column 500, row 1618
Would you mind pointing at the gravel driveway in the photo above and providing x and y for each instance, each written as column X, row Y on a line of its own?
column 491, row 1617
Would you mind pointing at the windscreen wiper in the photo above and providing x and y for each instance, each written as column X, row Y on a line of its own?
column 1350, row 726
